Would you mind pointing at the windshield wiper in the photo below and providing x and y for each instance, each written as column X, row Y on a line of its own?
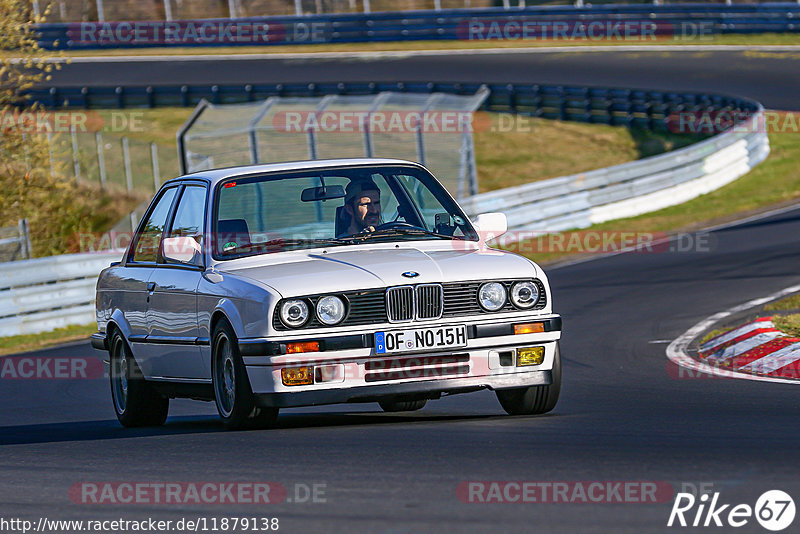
column 280, row 244
column 389, row 232
column 294, row 242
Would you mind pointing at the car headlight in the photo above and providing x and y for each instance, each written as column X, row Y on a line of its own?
column 524, row 294
column 294, row 313
column 492, row 296
column 330, row 310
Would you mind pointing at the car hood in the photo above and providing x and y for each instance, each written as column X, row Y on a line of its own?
column 348, row 270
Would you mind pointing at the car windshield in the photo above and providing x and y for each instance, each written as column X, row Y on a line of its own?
column 330, row 207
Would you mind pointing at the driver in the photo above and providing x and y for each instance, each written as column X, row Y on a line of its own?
column 362, row 202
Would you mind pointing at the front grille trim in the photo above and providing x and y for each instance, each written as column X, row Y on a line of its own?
column 429, row 301
column 369, row 307
column 401, row 304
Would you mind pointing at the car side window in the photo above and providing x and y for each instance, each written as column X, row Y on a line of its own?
column 184, row 244
column 148, row 241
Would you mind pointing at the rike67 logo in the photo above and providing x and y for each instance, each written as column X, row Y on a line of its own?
column 774, row 510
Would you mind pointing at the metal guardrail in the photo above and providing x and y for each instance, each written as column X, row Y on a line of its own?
column 450, row 24
column 15, row 242
column 47, row 293
column 629, row 189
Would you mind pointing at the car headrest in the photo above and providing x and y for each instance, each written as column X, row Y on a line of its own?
column 342, row 221
column 232, row 231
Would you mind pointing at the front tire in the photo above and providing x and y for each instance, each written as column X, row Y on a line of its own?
column 402, row 406
column 232, row 392
column 533, row 400
column 136, row 402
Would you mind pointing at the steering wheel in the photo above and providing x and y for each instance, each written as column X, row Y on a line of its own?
column 396, row 224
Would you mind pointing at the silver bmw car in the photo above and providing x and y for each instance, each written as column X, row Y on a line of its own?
column 299, row 284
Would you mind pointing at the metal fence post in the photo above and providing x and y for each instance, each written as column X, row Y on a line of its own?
column 76, row 165
column 437, row 4
column 367, row 8
column 312, row 144
column 156, row 173
column 24, row 239
column 36, row 11
column 126, row 158
column 253, row 125
column 100, row 15
column 232, row 8
column 168, row 9
column 180, row 136
column 298, row 7
column 473, row 165
column 506, row 4
column 101, row 160
column 420, row 143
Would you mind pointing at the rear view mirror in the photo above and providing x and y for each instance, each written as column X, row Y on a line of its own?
column 315, row 194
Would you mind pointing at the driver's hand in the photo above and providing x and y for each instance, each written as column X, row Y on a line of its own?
column 367, row 230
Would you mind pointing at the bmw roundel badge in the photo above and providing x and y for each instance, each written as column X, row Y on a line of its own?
column 410, row 274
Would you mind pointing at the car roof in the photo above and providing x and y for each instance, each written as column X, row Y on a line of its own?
column 216, row 175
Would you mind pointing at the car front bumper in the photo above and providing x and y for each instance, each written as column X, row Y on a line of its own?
column 347, row 373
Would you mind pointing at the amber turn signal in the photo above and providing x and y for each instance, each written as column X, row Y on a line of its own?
column 304, row 346
column 528, row 328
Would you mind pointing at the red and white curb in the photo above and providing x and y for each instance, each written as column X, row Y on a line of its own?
column 757, row 348
column 755, row 351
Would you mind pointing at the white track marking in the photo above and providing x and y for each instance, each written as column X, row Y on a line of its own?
column 402, row 54
column 742, row 347
column 774, row 361
column 676, row 351
column 733, row 334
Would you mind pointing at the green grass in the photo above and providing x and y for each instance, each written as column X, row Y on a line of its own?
column 29, row 342
column 410, row 46
column 714, row 333
column 548, row 149
column 788, row 324
column 789, row 303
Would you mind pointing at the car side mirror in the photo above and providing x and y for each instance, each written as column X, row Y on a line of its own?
column 183, row 249
column 490, row 226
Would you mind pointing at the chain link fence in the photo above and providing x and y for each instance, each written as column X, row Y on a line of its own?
column 434, row 129
column 15, row 242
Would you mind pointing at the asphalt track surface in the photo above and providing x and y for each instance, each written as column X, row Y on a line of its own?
column 624, row 415
column 771, row 77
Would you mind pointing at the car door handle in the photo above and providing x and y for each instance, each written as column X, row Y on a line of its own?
column 151, row 286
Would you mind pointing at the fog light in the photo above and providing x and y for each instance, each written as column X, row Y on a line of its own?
column 528, row 328
column 530, row 356
column 297, row 376
column 305, row 346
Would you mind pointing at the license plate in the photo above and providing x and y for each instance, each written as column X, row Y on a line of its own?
column 420, row 339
